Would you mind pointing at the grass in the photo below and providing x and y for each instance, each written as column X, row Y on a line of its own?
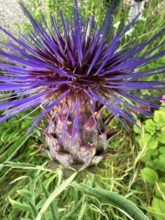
column 27, row 181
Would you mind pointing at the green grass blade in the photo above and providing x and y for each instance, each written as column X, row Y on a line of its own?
column 73, row 212
column 7, row 155
column 54, row 194
column 33, row 208
column 107, row 197
column 53, row 205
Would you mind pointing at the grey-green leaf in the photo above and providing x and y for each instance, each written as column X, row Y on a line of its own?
column 112, row 198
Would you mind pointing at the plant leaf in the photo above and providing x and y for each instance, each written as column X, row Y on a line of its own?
column 54, row 194
column 112, row 198
column 20, row 206
column 13, row 149
column 53, row 205
column 149, row 175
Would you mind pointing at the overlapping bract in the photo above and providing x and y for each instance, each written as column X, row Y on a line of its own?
column 87, row 147
column 82, row 63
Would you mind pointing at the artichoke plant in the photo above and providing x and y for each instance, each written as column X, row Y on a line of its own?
column 74, row 72
column 87, row 146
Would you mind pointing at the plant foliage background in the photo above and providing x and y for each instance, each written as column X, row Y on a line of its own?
column 135, row 169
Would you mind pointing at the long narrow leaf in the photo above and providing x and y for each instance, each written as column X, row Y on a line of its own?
column 54, row 194
column 112, row 198
column 53, row 206
column 13, row 149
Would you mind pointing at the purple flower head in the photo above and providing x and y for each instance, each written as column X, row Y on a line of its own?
column 77, row 67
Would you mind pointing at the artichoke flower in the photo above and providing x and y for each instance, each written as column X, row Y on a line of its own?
column 74, row 72
column 85, row 147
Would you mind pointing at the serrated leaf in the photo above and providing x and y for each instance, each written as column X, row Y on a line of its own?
column 152, row 144
column 150, row 126
column 147, row 156
column 20, row 205
column 149, row 175
column 159, row 118
column 158, row 210
column 163, row 130
column 161, row 138
column 162, row 150
column 160, row 162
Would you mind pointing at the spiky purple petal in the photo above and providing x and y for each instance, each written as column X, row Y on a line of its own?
column 76, row 67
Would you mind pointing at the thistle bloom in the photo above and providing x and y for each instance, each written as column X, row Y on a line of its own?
column 74, row 72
